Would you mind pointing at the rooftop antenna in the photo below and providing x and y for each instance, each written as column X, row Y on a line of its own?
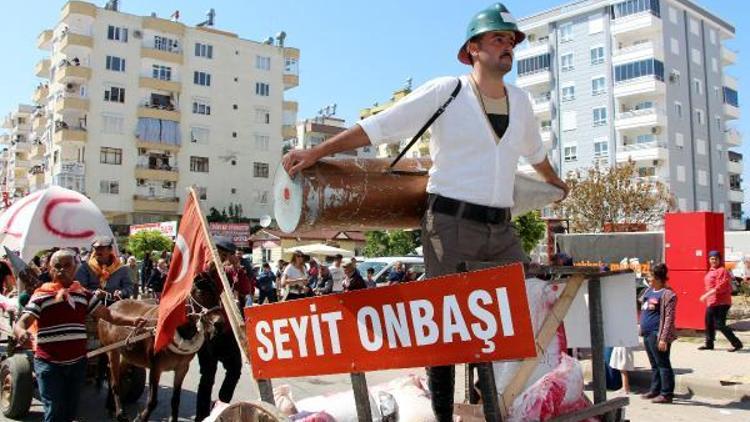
column 280, row 37
column 211, row 14
column 407, row 86
column 268, row 41
column 333, row 108
column 112, row 5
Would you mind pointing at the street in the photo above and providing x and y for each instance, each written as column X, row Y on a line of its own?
column 685, row 407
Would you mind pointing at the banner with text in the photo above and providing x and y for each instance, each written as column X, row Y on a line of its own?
column 167, row 228
column 478, row 316
column 238, row 232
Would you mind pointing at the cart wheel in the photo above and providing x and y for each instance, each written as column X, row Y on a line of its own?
column 251, row 411
column 17, row 386
column 132, row 383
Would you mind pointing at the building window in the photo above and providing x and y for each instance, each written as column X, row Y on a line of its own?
column 646, row 171
column 261, row 196
column 678, row 109
column 631, row 7
column 114, row 94
column 598, row 86
column 697, row 86
column 672, row 14
column 680, row 173
column 695, row 27
column 566, row 62
column 163, row 73
column 633, row 70
column 263, row 62
column 166, row 44
column 700, row 116
column 674, row 45
column 695, row 54
column 569, row 121
column 735, row 210
column 714, row 64
column 263, row 89
column 202, row 192
column 679, row 140
column 533, row 65
column 566, row 32
column 199, row 135
column 291, row 67
column 116, row 64
column 601, row 148
column 262, row 142
column 712, row 36
column 260, row 170
column 570, row 153
column 117, row 34
column 600, row 116
column 702, row 178
column 111, row 187
column 735, row 182
column 730, row 97
column 199, row 164
column 717, row 119
column 568, row 92
column 262, row 116
column 109, row 155
column 112, row 123
column 202, row 78
column 201, row 106
column 596, row 24
column 204, row 50
column 597, row 55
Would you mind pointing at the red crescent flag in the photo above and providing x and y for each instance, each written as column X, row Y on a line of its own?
column 191, row 253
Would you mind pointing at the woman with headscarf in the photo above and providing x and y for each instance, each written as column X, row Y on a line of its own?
column 718, row 299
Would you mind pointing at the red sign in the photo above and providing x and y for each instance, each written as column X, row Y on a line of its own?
column 479, row 316
column 238, row 232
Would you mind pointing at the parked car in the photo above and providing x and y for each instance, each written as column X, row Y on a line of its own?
column 383, row 266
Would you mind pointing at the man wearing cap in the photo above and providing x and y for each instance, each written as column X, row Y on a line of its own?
column 222, row 347
column 104, row 271
column 475, row 146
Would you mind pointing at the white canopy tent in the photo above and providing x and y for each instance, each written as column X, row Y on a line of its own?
column 320, row 249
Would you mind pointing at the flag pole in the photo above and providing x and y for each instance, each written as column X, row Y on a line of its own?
column 230, row 307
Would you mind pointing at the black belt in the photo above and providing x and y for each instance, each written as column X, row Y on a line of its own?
column 469, row 211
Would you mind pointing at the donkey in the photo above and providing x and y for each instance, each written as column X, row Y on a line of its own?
column 204, row 311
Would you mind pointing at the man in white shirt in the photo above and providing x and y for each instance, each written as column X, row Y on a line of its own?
column 337, row 274
column 475, row 146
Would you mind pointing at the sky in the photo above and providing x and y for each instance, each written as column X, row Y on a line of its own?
column 353, row 53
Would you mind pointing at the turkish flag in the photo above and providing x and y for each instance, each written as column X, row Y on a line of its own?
column 191, row 253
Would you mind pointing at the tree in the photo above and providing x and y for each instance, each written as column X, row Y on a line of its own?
column 530, row 229
column 391, row 243
column 148, row 240
column 613, row 195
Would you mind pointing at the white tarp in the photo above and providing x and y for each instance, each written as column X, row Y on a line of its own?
column 321, row 249
column 53, row 217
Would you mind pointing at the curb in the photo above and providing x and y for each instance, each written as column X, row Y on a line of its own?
column 685, row 384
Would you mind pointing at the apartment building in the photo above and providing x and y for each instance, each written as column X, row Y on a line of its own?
column 420, row 149
column 137, row 108
column 641, row 80
column 16, row 154
column 314, row 131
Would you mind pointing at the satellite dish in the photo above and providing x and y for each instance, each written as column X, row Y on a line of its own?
column 265, row 221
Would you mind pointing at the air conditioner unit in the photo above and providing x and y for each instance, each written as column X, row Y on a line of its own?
column 137, row 34
column 655, row 130
column 656, row 162
column 674, row 77
column 69, row 87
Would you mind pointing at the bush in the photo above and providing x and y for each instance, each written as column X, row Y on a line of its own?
column 148, row 240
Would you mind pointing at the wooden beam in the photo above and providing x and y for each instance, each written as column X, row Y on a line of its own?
column 361, row 396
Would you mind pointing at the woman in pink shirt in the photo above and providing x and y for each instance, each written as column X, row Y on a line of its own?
column 718, row 298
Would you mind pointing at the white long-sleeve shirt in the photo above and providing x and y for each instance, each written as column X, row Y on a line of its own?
column 468, row 164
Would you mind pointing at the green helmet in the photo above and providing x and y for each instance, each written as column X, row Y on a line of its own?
column 494, row 18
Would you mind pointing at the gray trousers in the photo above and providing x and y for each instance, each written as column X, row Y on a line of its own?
column 447, row 242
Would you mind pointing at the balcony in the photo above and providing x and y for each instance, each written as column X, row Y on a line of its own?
column 159, row 84
column 735, row 195
column 541, row 103
column 541, row 76
column 162, row 113
column 649, row 84
column 288, row 131
column 733, row 137
column 41, row 70
column 154, row 173
column 44, row 40
column 734, row 167
column 22, row 164
column 638, row 23
column 73, row 73
column 71, row 134
column 40, row 94
column 159, row 146
column 163, row 25
column 639, row 118
column 165, row 204
column 21, row 182
column 637, row 52
column 38, row 121
column 162, row 55
column 71, row 39
column 71, row 103
column 728, row 56
column 36, row 181
column 655, row 150
column 290, row 106
column 729, row 81
column 37, row 151
column 24, row 146
column 532, row 49
column 78, row 8
column 731, row 112
column 290, row 81
column 547, row 138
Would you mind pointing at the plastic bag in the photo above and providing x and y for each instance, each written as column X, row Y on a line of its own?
column 555, row 394
column 312, row 417
column 342, row 408
column 541, row 297
column 411, row 395
column 282, row 395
